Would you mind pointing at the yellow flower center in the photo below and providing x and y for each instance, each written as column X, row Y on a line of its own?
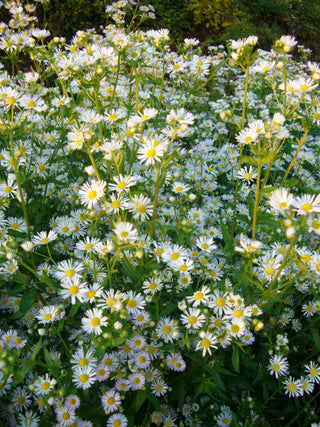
column 306, row 207
column 167, row 329
column 83, row 378
column 95, row 321
column 192, row 319
column 48, row 317
column 70, row 272
column 45, row 385
column 83, row 362
column 92, row 194
column 73, row 290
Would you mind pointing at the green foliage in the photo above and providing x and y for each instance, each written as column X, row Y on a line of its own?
column 215, row 15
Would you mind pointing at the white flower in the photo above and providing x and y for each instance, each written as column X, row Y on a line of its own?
column 90, row 193
column 93, row 321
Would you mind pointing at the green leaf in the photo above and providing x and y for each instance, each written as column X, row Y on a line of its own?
column 20, row 374
column 290, row 183
column 226, row 236
column 36, row 350
column 140, row 398
column 215, row 376
column 316, row 337
column 74, row 309
column 169, row 309
column 248, row 159
column 54, row 368
column 267, row 158
column 235, row 359
column 27, row 300
column 49, row 282
column 21, row 278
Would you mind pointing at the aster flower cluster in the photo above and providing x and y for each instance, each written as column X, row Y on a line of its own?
column 159, row 233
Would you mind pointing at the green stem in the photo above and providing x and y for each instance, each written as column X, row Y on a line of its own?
column 295, row 156
column 256, row 203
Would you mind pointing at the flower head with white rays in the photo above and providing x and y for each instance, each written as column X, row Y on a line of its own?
column 43, row 237
column 268, row 268
column 91, row 193
column 193, row 318
column 247, row 136
column 293, row 387
column 159, row 388
column 201, row 296
column 313, row 372
column 281, row 200
column 83, row 377
column 122, row 183
column 286, row 43
column 9, row 188
column 307, row 204
column 248, row 175
column 44, row 385
column 137, row 381
column 48, row 314
column 72, row 401
column 206, row 244
column 74, row 290
column 278, row 365
column 167, row 330
column 125, row 232
column 111, row 401
column 206, row 342
column 180, row 116
column 141, row 207
column 93, row 321
column 151, row 152
column 68, row 270
column 180, row 187
column 65, row 416
column 117, row 420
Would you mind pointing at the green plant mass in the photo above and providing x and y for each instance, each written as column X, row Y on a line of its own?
column 159, row 217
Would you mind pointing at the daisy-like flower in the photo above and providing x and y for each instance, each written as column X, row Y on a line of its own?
column 44, row 385
column 93, row 321
column 192, row 318
column 48, row 314
column 72, row 401
column 88, row 245
column 141, row 207
column 152, row 151
column 281, row 200
column 307, row 204
column 293, row 387
column 94, row 292
column 74, row 290
column 248, row 175
column 201, row 296
column 206, row 342
column 117, row 420
column 137, row 381
column 159, row 387
column 248, row 246
column 102, row 372
column 9, row 188
column 111, row 401
column 268, row 268
column 84, row 377
column 236, row 327
column 152, row 286
column 313, row 372
column 83, row 358
column 167, row 330
column 91, row 193
column 142, row 359
column 286, row 43
column 180, row 188
column 206, row 244
column 116, row 203
column 122, row 183
column 247, row 136
column 68, row 270
column 315, row 263
column 278, row 365
column 43, row 237
column 66, row 416
column 125, row 232
column 180, row 116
